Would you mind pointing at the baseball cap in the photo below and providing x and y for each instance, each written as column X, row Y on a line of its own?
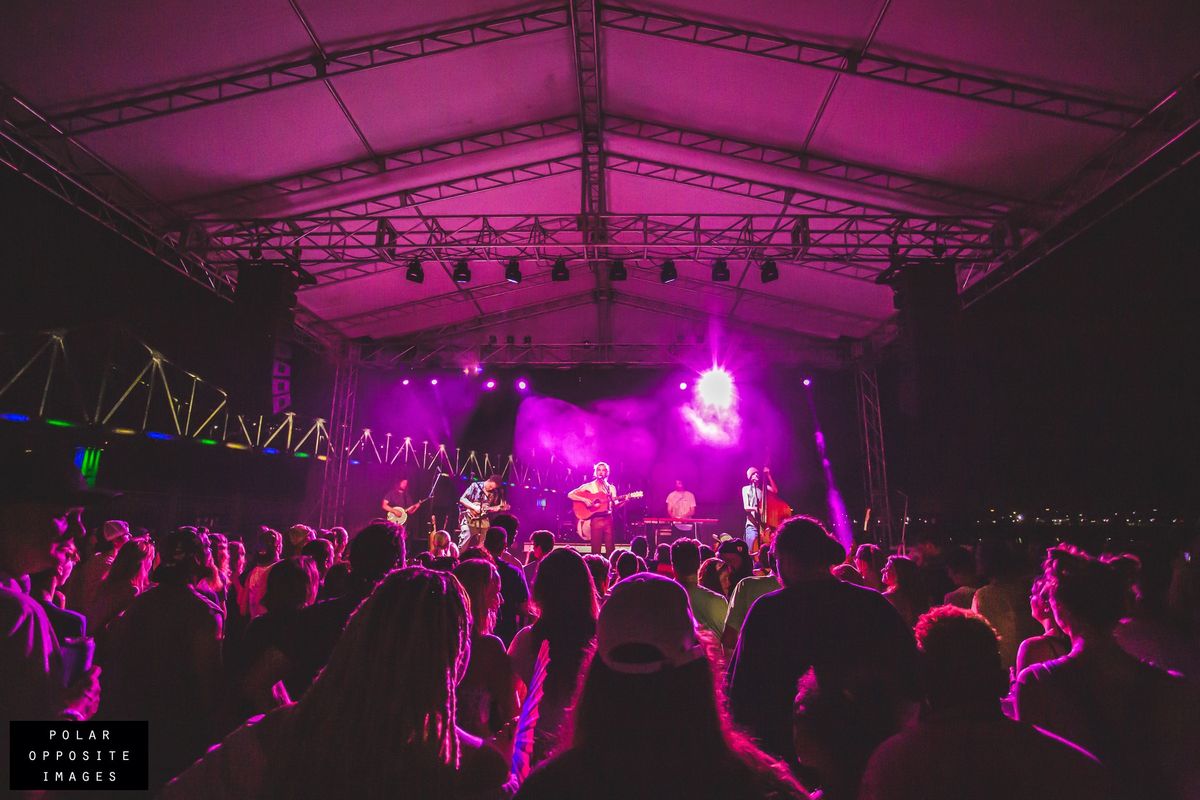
column 48, row 476
column 738, row 546
column 646, row 625
column 114, row 529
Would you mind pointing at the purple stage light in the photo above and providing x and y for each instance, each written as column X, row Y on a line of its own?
column 490, row 384
column 808, row 381
column 715, row 388
column 522, row 384
column 433, row 381
column 682, row 385
column 404, row 382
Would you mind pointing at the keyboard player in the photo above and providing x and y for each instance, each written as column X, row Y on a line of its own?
column 681, row 504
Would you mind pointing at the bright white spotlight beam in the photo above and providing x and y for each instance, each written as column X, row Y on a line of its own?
column 715, row 388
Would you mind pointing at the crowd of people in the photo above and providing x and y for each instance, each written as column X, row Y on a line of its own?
column 312, row 663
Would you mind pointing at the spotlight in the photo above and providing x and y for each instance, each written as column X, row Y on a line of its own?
column 617, row 271
column 433, row 381
column 559, row 271
column 715, row 388
column 489, row 384
column 682, row 386
column 770, row 271
column 807, row 381
column 462, row 272
column 522, row 384
column 404, row 382
column 512, row 272
column 720, row 271
column 668, row 273
column 415, row 272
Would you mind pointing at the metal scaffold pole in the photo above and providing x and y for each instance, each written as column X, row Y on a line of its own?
column 874, row 460
column 341, row 436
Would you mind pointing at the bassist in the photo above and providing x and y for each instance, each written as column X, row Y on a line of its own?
column 754, row 502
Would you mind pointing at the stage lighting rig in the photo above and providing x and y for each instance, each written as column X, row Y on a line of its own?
column 617, row 271
column 462, row 271
column 559, row 271
column 720, row 271
column 415, row 272
column 512, row 272
column 769, row 271
column 667, row 273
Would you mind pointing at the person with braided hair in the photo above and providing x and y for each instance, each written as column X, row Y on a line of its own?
column 380, row 720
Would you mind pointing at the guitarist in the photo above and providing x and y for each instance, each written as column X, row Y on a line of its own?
column 599, row 528
column 754, row 501
column 481, row 499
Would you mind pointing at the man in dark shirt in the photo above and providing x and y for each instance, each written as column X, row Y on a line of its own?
column 844, row 633
column 515, row 592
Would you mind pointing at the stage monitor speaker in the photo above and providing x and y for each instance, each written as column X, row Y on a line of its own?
column 264, row 310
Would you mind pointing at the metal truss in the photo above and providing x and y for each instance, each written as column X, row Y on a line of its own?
column 346, row 174
column 788, row 197
column 292, row 73
column 341, row 435
column 869, row 177
column 855, row 245
column 453, row 355
column 547, row 475
column 849, row 61
column 874, row 459
column 1162, row 142
column 117, row 384
column 85, row 182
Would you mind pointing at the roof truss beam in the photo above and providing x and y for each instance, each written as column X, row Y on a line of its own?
column 866, row 176
column 291, row 73
column 925, row 77
column 352, row 246
column 396, row 161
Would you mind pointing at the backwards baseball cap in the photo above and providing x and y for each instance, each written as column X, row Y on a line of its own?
column 646, row 625
column 47, row 476
column 115, row 529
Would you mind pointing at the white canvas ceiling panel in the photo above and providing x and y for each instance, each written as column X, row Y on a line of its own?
column 1114, row 49
column 341, row 24
column 63, row 54
column 231, row 144
column 451, row 95
column 1012, row 152
column 697, row 87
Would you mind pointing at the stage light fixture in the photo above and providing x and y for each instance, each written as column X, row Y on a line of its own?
column 404, row 382
column 522, row 384
column 489, row 384
column 769, row 271
column 433, row 381
column 462, row 271
column 559, row 271
column 683, row 386
column 415, row 272
column 512, row 272
column 667, row 273
column 808, row 381
column 617, row 271
column 720, row 271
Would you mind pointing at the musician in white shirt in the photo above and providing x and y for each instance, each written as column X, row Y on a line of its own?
column 598, row 528
column 681, row 504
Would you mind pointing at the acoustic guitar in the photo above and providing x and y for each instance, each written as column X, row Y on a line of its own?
column 598, row 503
column 399, row 515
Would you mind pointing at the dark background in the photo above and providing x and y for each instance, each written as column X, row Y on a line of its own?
column 1073, row 386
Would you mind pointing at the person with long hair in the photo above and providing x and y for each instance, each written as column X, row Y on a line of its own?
column 379, row 722
column 441, row 546
column 487, row 695
column 1053, row 643
column 565, row 599
column 1140, row 721
column 128, row 577
column 649, row 721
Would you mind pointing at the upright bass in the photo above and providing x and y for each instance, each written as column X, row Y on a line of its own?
column 771, row 511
